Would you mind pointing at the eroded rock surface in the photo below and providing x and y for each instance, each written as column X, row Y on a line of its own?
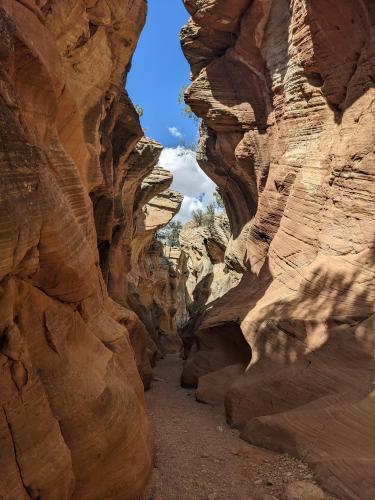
column 72, row 419
column 138, row 274
column 286, row 93
column 156, row 282
column 205, row 245
column 209, row 276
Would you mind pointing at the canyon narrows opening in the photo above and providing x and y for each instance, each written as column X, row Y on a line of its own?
column 187, row 318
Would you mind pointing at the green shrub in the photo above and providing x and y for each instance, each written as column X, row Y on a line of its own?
column 139, row 110
column 170, row 234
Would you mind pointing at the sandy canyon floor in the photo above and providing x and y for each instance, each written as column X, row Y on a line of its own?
column 198, row 457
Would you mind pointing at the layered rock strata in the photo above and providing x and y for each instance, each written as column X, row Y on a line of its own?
column 209, row 276
column 285, row 90
column 72, row 419
column 133, row 263
column 205, row 246
column 155, row 286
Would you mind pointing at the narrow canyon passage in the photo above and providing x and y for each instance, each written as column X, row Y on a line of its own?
column 199, row 457
column 196, row 177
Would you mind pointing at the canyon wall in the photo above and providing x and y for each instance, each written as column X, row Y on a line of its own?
column 138, row 275
column 80, row 202
column 285, row 91
column 208, row 276
column 156, row 281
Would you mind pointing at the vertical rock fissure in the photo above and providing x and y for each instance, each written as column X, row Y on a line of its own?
column 16, row 460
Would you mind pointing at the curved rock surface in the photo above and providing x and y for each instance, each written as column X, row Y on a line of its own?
column 155, row 283
column 135, row 269
column 204, row 245
column 72, row 419
column 286, row 93
column 209, row 276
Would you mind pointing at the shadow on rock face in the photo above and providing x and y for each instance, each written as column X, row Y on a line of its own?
column 215, row 348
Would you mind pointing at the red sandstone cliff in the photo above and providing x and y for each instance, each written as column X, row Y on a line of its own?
column 72, row 419
column 286, row 93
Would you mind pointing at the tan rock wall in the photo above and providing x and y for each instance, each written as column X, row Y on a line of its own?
column 72, row 413
column 205, row 246
column 286, row 93
column 209, row 276
column 155, row 283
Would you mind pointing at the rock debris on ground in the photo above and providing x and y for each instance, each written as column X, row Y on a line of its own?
column 199, row 457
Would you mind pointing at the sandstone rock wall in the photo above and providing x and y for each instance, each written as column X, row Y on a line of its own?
column 135, row 269
column 205, row 247
column 285, row 89
column 72, row 419
column 208, row 275
column 153, row 282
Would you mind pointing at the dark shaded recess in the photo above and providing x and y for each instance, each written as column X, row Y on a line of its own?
column 103, row 207
column 149, row 317
column 261, row 235
column 215, row 348
column 230, row 337
column 93, row 28
column 201, row 293
column 196, row 311
column 215, row 250
column 80, row 42
column 103, row 248
column 315, row 79
column 127, row 129
column 187, row 333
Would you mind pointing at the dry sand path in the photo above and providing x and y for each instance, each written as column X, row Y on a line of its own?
column 198, row 457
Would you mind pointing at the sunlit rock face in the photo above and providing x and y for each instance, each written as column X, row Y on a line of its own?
column 208, row 275
column 142, row 276
column 72, row 419
column 205, row 246
column 286, row 93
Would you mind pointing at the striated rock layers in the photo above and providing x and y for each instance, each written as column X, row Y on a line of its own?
column 285, row 89
column 153, row 281
column 208, row 276
column 73, row 209
column 137, row 273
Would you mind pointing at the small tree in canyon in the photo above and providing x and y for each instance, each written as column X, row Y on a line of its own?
column 186, row 109
column 204, row 217
column 207, row 217
column 219, row 200
column 170, row 235
column 139, row 110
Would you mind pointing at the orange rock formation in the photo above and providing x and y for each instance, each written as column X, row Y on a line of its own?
column 286, row 93
column 72, row 419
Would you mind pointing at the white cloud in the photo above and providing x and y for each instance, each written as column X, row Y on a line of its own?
column 175, row 132
column 188, row 179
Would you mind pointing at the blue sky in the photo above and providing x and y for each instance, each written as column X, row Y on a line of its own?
column 158, row 72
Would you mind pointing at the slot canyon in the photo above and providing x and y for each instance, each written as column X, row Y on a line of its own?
column 238, row 363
